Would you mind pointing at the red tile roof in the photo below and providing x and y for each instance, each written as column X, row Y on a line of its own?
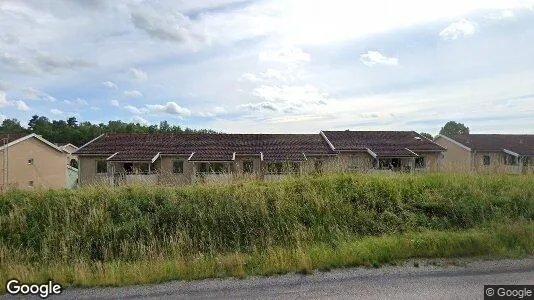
column 522, row 144
column 383, row 143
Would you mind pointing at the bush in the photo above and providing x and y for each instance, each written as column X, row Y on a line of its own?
column 147, row 222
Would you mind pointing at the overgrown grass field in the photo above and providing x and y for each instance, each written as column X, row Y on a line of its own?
column 142, row 234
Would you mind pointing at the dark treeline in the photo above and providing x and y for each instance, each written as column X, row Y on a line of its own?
column 70, row 131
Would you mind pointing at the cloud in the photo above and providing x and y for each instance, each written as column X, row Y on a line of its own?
column 260, row 106
column 30, row 93
column 115, row 103
column 458, row 29
column 372, row 58
column 217, row 111
column 18, row 104
column 109, row 84
column 174, row 27
column 21, row 105
column 133, row 94
column 77, row 102
column 56, row 111
column 42, row 64
column 140, row 120
column 169, row 108
column 501, row 15
column 287, row 55
column 138, row 74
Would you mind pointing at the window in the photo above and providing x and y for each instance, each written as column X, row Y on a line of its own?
column 101, row 166
column 178, row 166
column 283, row 168
column 30, row 161
column 487, row 160
column 420, row 163
column 510, row 160
column 248, row 166
column 30, row 183
column 140, row 168
column 318, row 165
column 525, row 161
column 212, row 168
column 73, row 163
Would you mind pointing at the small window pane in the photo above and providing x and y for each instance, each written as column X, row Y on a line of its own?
column 487, row 160
column 420, row 162
column 248, row 166
column 101, row 166
column 178, row 166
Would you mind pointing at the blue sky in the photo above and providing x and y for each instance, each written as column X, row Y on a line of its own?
column 271, row 65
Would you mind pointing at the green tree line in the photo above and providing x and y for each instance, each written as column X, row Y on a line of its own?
column 79, row 133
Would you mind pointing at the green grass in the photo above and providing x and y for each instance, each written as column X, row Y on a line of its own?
column 511, row 240
column 140, row 234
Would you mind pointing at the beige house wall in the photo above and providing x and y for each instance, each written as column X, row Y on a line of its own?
column 49, row 169
column 87, row 170
column 456, row 158
column 168, row 177
column 354, row 161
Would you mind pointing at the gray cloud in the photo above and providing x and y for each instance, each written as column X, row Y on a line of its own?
column 42, row 63
column 266, row 105
column 169, row 27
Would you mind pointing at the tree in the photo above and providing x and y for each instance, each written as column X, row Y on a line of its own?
column 453, row 128
column 72, row 122
column 12, row 126
column 427, row 135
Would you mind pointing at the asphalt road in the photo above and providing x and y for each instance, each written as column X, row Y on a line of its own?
column 465, row 281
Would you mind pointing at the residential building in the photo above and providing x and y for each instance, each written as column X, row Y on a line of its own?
column 510, row 153
column 187, row 158
column 30, row 161
column 385, row 150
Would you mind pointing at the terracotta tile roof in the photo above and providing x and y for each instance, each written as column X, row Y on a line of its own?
column 522, row 144
column 208, row 147
column 383, row 143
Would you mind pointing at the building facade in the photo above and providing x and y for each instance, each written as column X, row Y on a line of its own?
column 30, row 161
column 505, row 153
column 187, row 158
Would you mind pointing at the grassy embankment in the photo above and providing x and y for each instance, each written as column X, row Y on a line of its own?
column 130, row 235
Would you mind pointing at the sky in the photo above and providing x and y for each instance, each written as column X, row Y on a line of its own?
column 267, row 66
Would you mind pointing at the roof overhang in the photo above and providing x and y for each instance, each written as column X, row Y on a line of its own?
column 453, row 141
column 374, row 155
column 510, row 152
column 33, row 135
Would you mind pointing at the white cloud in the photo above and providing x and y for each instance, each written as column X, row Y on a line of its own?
column 140, row 120
column 3, row 99
column 115, row 103
column 138, row 74
column 372, row 58
column 458, row 29
column 56, row 111
column 30, row 93
column 217, row 111
column 21, row 105
column 109, row 84
column 171, row 108
column 288, row 55
column 77, row 102
column 133, row 94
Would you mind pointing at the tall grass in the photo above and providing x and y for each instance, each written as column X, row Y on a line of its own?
column 100, row 225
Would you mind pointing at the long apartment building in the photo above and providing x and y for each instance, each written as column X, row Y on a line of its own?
column 187, row 158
